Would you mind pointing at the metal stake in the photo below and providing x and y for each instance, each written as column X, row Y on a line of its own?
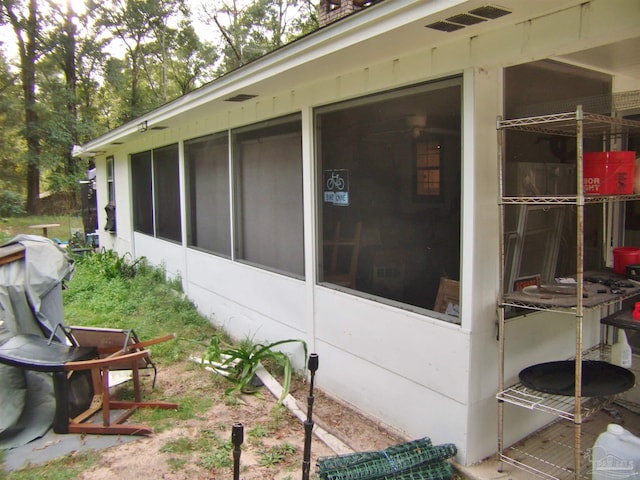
column 237, row 437
column 312, row 365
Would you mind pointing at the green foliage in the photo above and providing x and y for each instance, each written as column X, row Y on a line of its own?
column 11, row 204
column 81, row 89
column 240, row 363
column 277, row 454
column 259, row 431
column 217, row 452
column 176, row 464
column 277, row 415
column 12, row 226
column 108, row 264
column 63, row 468
column 146, row 301
column 213, row 451
column 251, row 29
column 216, row 459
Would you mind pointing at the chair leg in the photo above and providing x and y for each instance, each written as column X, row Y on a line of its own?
column 100, row 379
column 106, row 404
column 61, row 394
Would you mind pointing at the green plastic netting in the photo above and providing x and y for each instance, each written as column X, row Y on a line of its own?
column 415, row 460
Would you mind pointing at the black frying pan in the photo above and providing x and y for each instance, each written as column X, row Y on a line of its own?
column 599, row 379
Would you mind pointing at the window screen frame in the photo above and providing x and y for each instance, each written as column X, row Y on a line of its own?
column 224, row 248
column 431, row 203
column 288, row 125
column 145, row 175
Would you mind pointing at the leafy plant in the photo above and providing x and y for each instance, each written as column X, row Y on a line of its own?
column 240, row 363
column 220, row 457
column 277, row 454
column 11, row 204
column 259, row 431
column 110, row 265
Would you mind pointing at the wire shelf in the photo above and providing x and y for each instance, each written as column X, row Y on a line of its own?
column 564, row 124
column 559, row 405
column 606, row 104
column 593, row 297
column 549, row 453
column 566, row 199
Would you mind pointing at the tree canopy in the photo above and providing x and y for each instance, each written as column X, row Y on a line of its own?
column 77, row 70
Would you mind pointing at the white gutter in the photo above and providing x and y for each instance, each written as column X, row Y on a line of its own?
column 373, row 21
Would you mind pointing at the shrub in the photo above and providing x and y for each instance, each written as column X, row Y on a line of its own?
column 109, row 265
column 11, row 204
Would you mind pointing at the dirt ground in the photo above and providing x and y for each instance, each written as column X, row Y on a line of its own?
column 273, row 439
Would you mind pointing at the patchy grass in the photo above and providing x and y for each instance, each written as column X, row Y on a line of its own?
column 69, row 224
column 63, row 468
column 277, row 454
column 145, row 299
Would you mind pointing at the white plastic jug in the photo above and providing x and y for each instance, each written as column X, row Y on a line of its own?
column 616, row 455
column 621, row 354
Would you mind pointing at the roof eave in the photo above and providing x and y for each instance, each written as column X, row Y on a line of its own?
column 380, row 16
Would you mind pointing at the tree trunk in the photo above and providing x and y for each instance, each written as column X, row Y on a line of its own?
column 28, row 65
column 28, row 27
column 71, row 83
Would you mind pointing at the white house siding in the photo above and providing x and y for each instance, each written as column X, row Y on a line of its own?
column 395, row 362
column 266, row 300
column 420, row 374
column 161, row 252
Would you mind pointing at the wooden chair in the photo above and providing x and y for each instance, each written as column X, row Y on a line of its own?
column 448, row 293
column 80, row 360
column 342, row 267
column 108, row 341
column 71, row 365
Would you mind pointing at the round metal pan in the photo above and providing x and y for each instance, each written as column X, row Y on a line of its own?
column 599, row 379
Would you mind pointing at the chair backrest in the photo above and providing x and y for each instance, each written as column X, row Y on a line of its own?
column 342, row 267
column 107, row 341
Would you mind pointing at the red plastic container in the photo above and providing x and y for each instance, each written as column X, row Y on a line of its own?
column 608, row 173
column 623, row 256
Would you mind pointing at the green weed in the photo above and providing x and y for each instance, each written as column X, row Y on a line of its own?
column 182, row 445
column 176, row 464
column 277, row 415
column 277, row 454
column 259, row 431
column 64, row 468
column 218, row 452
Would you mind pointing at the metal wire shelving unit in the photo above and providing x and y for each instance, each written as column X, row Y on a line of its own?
column 565, row 460
column 553, row 456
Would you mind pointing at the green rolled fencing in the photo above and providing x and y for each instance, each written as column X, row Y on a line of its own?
column 415, row 460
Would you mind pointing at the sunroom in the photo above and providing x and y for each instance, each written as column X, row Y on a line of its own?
column 344, row 190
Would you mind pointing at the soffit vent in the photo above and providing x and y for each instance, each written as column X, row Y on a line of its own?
column 117, row 143
column 445, row 26
column 158, row 127
column 489, row 11
column 466, row 19
column 241, row 97
column 473, row 17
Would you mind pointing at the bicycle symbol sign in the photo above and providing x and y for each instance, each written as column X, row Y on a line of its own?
column 336, row 187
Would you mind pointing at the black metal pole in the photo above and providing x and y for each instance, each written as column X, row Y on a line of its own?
column 237, row 437
column 312, row 365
